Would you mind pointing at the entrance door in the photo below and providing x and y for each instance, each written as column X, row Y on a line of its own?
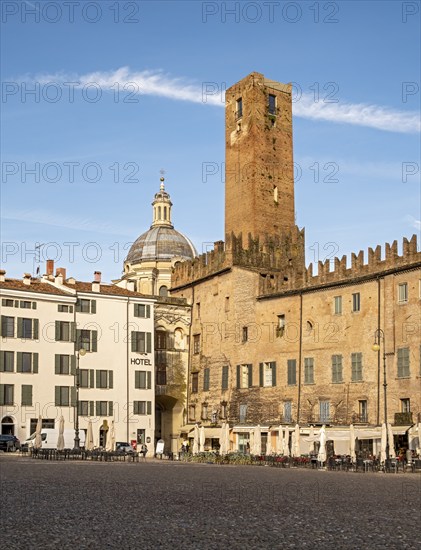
column 7, row 426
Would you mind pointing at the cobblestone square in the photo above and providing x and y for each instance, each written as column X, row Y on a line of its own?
column 159, row 504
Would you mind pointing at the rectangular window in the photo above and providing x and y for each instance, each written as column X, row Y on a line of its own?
column 62, row 396
column 206, row 376
column 272, row 104
column 7, row 361
column 64, row 364
column 142, row 407
column 337, row 369
column 362, row 410
column 239, row 108
column 143, row 380
column 26, row 396
column 267, row 374
column 161, row 375
column 225, row 374
column 227, row 304
column 64, row 331
column 64, row 308
column 83, row 408
column 280, row 329
column 309, row 370
column 27, row 328
column 243, row 413
column 356, row 302
column 104, row 408
column 195, row 382
column 292, row 372
column 6, row 394
column 198, row 310
column 192, row 412
column 244, row 376
column 338, row 305
column 403, row 293
column 7, row 326
column 85, row 378
column 87, row 340
column 405, row 405
column 196, row 344
column 104, row 379
column 84, row 305
column 204, row 415
column 26, row 362
column 356, row 367
column 6, row 302
column 287, row 411
column 403, row 362
column 25, row 304
column 324, row 408
column 160, row 339
column 141, row 342
column 142, row 310
column 223, row 409
column 245, row 334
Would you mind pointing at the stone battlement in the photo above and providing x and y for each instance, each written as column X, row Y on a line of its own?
column 410, row 258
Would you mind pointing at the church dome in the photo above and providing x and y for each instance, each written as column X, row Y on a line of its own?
column 160, row 243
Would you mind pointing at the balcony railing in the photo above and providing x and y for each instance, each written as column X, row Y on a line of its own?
column 403, row 418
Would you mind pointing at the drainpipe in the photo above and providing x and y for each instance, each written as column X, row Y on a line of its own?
column 378, row 355
column 300, row 349
column 128, row 373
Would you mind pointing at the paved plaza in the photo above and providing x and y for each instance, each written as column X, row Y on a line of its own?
column 160, row 504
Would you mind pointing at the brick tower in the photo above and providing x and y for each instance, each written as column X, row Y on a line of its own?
column 259, row 180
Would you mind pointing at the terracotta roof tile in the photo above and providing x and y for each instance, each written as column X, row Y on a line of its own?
column 35, row 286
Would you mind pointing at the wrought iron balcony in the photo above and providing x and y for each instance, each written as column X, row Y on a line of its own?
column 403, row 418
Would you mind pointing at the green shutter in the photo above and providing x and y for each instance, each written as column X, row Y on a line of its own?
column 78, row 338
column 19, row 362
column 238, row 376
column 91, row 408
column 94, row 340
column 273, row 373
column 57, row 364
column 35, row 329
column 91, row 378
column 98, row 408
column 110, row 408
column 73, row 332
column 149, row 375
column 134, row 341
column 148, row 311
column 98, row 380
column 2, row 360
column 148, row 407
column 34, row 305
column 26, row 395
column 136, row 310
column 148, row 342
column 35, row 363
column 250, row 369
column 20, row 327
column 57, row 396
column 72, row 397
column 77, row 306
column 136, row 379
column 93, row 306
column 261, row 371
column 57, row 331
column 1, row 394
column 110, row 379
column 73, row 365
column 3, row 325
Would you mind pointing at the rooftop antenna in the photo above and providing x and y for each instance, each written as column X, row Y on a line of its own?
column 37, row 260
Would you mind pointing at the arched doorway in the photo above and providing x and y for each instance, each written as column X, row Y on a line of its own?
column 7, row 426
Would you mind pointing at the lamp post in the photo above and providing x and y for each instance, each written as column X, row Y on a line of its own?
column 379, row 335
column 79, row 353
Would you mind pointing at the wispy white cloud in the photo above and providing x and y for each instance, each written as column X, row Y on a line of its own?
column 159, row 83
column 413, row 222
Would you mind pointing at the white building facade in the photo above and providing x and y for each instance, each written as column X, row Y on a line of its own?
column 44, row 325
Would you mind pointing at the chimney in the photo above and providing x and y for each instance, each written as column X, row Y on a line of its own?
column 27, row 279
column 97, row 276
column 50, row 268
column 71, row 281
column 61, row 271
column 2, row 275
column 58, row 278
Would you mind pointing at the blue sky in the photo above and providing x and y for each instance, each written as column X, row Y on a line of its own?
column 81, row 161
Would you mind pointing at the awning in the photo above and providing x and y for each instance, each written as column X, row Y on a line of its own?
column 401, row 430
column 186, row 429
column 247, row 429
column 210, row 433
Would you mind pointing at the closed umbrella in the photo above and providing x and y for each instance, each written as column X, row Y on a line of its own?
column 352, row 442
column 60, row 440
column 297, row 449
column 321, row 457
column 257, row 440
column 383, row 443
column 227, row 437
column 311, row 438
column 202, row 439
column 391, row 441
column 110, row 438
column 89, row 443
column 196, row 440
column 286, row 441
column 38, row 436
column 269, row 444
column 280, row 442
column 222, row 441
column 419, row 439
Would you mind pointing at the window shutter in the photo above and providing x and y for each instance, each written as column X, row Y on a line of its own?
column 148, row 342
column 78, row 338
column 110, row 379
column 20, row 327
column 57, row 364
column 273, row 364
column 148, row 311
column 250, row 369
column 57, row 330
column 26, row 395
column 91, row 408
column 1, row 394
column 72, row 397
column 261, row 367
column 91, row 378
column 238, row 376
column 72, row 365
column 136, row 379
column 3, row 302
column 94, row 337
column 98, row 408
column 35, row 363
column 148, row 407
column 77, row 306
column 2, row 361
column 98, row 381
column 19, row 362
column 93, row 306
column 57, row 396
column 34, row 305
column 134, row 342
column 35, row 329
column 110, row 408
column 149, row 375
column 136, row 310
column 73, row 332
column 3, row 325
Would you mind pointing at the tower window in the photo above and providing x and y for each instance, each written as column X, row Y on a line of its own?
column 159, row 212
column 239, row 110
column 275, row 193
column 272, row 104
column 165, row 212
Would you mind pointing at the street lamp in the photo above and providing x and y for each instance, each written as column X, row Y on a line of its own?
column 79, row 353
column 379, row 335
